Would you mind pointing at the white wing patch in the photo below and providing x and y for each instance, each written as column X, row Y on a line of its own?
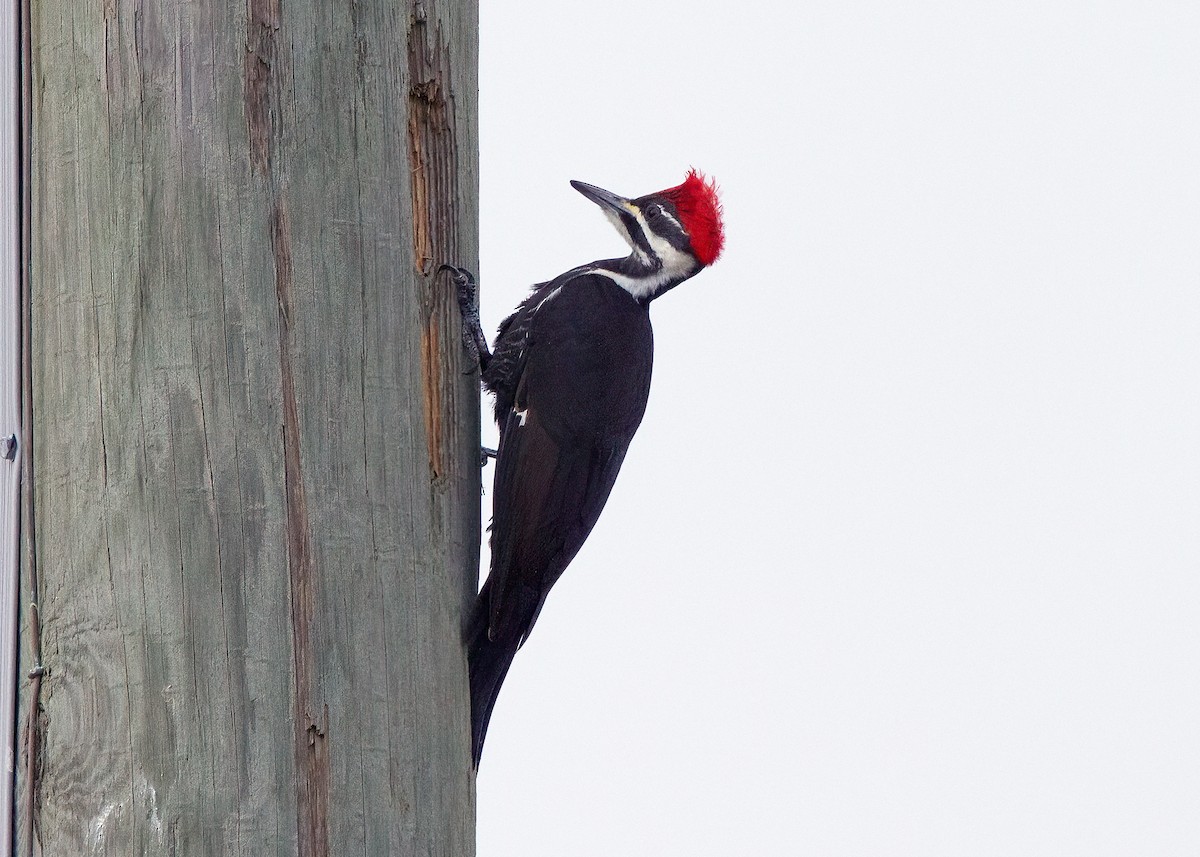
column 521, row 414
column 548, row 297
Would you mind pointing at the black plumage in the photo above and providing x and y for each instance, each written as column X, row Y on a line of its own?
column 563, row 437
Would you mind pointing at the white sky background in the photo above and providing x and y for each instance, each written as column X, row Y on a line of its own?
column 905, row 558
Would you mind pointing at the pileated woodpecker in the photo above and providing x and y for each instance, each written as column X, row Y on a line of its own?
column 571, row 375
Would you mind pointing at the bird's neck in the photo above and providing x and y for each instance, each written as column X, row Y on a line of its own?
column 643, row 276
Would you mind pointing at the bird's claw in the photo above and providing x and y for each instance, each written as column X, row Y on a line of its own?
column 468, row 306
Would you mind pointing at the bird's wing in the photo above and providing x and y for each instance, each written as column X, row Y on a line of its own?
column 546, row 500
column 555, row 468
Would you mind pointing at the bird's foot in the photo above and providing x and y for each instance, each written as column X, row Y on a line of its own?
column 468, row 306
column 486, row 452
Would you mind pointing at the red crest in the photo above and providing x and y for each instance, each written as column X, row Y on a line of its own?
column 699, row 209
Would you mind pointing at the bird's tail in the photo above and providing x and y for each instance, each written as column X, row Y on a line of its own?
column 489, row 661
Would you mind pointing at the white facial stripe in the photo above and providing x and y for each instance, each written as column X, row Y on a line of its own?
column 674, row 262
column 671, row 218
column 615, row 220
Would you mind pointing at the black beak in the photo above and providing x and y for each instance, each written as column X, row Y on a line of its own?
column 603, row 198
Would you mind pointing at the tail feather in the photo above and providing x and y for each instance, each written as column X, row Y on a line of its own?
column 489, row 662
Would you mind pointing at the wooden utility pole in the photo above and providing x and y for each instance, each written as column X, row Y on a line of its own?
column 254, row 444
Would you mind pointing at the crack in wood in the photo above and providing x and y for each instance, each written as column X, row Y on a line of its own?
column 422, row 243
column 311, row 734
column 262, row 21
column 312, row 750
column 432, row 389
column 433, row 164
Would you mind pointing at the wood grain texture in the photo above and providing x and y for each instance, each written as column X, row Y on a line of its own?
column 255, row 447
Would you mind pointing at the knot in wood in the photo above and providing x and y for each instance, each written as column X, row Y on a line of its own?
column 429, row 91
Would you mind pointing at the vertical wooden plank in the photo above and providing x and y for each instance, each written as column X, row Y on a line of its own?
column 256, row 456
column 10, row 402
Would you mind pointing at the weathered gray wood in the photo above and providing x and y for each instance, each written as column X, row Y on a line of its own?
column 255, row 447
column 10, row 400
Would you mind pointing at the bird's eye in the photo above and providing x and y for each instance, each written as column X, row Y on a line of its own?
column 653, row 211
